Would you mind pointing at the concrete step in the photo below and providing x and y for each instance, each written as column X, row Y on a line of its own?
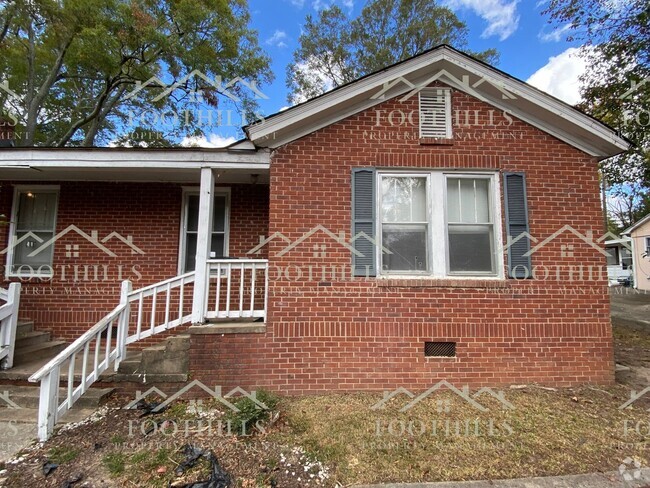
column 23, row 327
column 27, row 397
column 169, row 358
column 30, row 416
column 32, row 338
column 38, row 351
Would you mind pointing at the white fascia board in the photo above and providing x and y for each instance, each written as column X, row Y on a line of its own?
column 110, row 158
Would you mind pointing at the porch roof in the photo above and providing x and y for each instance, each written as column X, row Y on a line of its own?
column 180, row 165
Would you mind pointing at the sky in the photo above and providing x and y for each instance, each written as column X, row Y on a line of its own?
column 530, row 48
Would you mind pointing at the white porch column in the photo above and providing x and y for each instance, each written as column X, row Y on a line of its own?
column 206, row 204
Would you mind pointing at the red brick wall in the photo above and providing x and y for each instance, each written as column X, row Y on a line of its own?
column 150, row 213
column 338, row 333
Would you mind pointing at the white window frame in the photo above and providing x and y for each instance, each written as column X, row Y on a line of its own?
column 380, row 223
column 647, row 246
column 448, row 117
column 438, row 248
column 18, row 190
column 195, row 190
column 492, row 213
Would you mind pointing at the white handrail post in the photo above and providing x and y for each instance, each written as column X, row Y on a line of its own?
column 123, row 322
column 48, row 404
column 266, row 291
column 13, row 300
column 203, row 238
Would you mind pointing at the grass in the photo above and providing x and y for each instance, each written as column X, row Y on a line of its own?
column 62, row 454
column 547, row 433
column 115, row 463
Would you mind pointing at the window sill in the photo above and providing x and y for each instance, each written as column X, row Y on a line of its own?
column 434, row 141
column 442, row 283
column 30, row 276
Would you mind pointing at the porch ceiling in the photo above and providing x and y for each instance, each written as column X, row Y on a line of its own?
column 112, row 164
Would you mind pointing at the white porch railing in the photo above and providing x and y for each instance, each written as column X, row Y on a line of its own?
column 8, row 323
column 237, row 288
column 140, row 314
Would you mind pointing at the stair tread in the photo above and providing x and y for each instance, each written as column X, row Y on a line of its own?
column 23, row 391
column 30, row 415
column 39, row 347
column 31, row 334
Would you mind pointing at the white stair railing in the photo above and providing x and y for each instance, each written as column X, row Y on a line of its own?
column 140, row 314
column 237, row 288
column 8, row 323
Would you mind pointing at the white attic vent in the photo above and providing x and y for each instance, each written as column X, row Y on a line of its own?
column 435, row 113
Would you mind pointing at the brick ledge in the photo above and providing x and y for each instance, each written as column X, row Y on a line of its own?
column 441, row 283
column 228, row 328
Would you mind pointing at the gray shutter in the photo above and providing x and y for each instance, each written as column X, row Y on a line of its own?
column 363, row 220
column 519, row 265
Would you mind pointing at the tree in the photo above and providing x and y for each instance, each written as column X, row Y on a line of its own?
column 616, row 87
column 335, row 50
column 72, row 69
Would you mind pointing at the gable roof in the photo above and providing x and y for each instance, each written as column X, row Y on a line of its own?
column 636, row 225
column 457, row 70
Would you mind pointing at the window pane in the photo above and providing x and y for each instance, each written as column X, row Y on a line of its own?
column 482, row 201
column 468, row 200
column 453, row 200
column 470, row 249
column 190, row 253
column 192, row 212
column 217, row 245
column 404, row 199
column 23, row 250
column 219, row 214
column 36, row 211
column 408, row 247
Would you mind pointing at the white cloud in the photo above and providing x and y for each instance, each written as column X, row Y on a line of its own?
column 560, row 76
column 501, row 15
column 349, row 4
column 321, row 4
column 298, row 3
column 213, row 140
column 554, row 36
column 277, row 39
column 316, row 76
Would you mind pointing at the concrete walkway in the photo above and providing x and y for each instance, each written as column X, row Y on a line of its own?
column 638, row 478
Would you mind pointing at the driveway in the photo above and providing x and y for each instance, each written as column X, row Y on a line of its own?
column 631, row 324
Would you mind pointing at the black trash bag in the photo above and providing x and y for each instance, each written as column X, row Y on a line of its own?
column 75, row 479
column 218, row 477
column 49, row 467
column 149, row 408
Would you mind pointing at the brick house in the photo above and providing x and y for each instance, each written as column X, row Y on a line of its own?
column 399, row 230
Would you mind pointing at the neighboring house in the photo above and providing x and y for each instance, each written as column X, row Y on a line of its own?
column 639, row 234
column 620, row 263
column 379, row 235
